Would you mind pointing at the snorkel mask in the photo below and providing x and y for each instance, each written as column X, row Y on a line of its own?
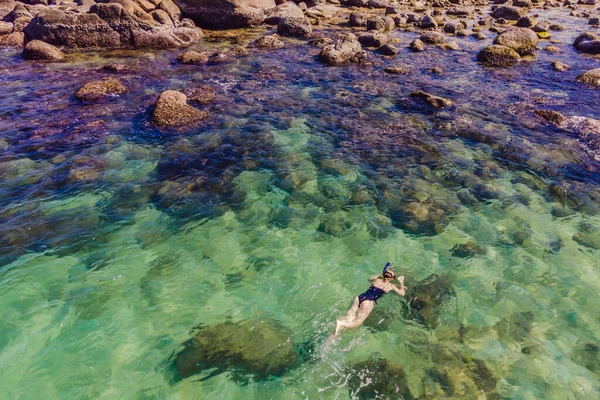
column 385, row 268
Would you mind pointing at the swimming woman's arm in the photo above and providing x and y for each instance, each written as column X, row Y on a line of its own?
column 374, row 277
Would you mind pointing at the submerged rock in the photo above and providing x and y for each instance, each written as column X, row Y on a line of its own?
column 203, row 94
column 434, row 101
column 522, row 40
column 498, row 56
column 192, row 57
column 591, row 77
column 269, row 42
column 347, row 49
column 587, row 354
column 96, row 90
column 172, row 111
column 257, row 348
column 376, row 378
column 469, row 249
column 38, row 50
column 428, row 296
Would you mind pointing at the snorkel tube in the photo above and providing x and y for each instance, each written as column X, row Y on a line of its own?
column 385, row 268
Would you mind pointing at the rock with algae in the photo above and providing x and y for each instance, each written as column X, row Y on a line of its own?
column 376, row 378
column 427, row 296
column 257, row 349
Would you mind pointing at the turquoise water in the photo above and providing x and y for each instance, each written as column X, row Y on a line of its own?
column 118, row 239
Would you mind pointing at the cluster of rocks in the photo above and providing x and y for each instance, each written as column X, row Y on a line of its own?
column 103, row 24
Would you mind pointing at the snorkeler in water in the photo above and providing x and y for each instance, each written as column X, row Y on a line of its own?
column 363, row 304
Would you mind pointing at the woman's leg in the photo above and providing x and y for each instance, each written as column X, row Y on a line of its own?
column 347, row 319
column 363, row 312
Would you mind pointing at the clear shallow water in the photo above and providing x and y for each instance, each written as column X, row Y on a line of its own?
column 118, row 239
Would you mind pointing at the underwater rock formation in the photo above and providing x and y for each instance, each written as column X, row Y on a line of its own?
column 377, row 378
column 428, row 296
column 257, row 348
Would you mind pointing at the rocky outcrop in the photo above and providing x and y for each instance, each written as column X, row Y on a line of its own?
column 38, row 50
column 96, row 90
column 172, row 111
column 347, row 49
column 498, row 56
column 522, row 40
column 121, row 23
column 226, row 14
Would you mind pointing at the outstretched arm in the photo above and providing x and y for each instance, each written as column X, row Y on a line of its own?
column 373, row 277
column 402, row 289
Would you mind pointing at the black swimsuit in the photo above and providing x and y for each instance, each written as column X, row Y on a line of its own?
column 373, row 294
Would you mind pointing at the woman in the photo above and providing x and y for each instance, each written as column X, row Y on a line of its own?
column 363, row 304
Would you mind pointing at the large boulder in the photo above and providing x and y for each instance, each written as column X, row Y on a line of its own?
column 347, row 49
column 260, row 349
column 498, row 56
column 522, row 40
column 108, row 25
column 172, row 111
column 588, row 43
column 226, row 14
column 38, row 50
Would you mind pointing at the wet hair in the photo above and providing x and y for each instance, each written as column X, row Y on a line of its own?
column 389, row 274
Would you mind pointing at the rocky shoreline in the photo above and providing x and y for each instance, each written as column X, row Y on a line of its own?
column 343, row 32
